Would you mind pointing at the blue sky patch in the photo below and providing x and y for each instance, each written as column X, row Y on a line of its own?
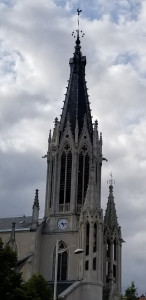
column 95, row 9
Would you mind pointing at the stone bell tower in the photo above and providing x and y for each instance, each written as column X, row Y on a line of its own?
column 73, row 214
column 74, row 149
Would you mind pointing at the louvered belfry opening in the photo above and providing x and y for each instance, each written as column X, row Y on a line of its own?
column 52, row 182
column 65, row 179
column 83, row 175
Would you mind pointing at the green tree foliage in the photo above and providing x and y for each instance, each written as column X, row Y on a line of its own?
column 11, row 285
column 9, row 279
column 36, row 288
column 131, row 292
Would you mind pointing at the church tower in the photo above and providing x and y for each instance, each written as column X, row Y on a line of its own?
column 73, row 219
column 112, row 248
column 73, row 214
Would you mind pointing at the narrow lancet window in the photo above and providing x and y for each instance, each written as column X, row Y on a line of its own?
column 87, row 238
column 94, row 263
column 62, row 261
column 95, row 238
column 115, row 249
column 62, row 178
column 83, row 175
column 52, row 183
column 65, row 179
column 86, row 265
column 68, row 177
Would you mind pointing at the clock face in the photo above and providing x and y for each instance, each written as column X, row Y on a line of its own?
column 62, row 223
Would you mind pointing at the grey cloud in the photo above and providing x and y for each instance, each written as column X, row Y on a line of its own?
column 41, row 36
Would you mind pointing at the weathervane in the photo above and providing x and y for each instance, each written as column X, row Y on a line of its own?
column 78, row 22
column 111, row 181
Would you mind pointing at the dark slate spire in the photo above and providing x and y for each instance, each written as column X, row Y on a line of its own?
column 110, row 219
column 76, row 103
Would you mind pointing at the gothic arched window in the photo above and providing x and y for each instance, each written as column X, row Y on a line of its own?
column 62, row 262
column 52, row 181
column 83, row 174
column 115, row 250
column 65, row 179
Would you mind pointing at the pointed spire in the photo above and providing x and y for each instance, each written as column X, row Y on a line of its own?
column 36, row 199
column 110, row 218
column 78, row 31
column 91, row 203
column 76, row 99
column 35, row 211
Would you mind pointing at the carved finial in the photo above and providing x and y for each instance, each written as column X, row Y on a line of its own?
column 78, row 12
column 56, row 121
column 96, row 125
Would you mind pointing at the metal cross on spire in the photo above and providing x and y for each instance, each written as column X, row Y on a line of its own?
column 78, row 22
column 79, row 11
column 111, row 181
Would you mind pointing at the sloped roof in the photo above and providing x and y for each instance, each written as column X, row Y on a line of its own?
column 21, row 223
column 110, row 219
column 76, row 104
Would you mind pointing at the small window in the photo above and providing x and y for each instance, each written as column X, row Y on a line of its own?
column 114, row 272
column 87, row 239
column 94, row 263
column 115, row 250
column 86, row 265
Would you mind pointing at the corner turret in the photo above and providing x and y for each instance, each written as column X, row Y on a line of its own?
column 12, row 241
column 35, row 211
column 112, row 249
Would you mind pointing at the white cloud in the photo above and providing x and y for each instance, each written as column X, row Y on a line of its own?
column 35, row 45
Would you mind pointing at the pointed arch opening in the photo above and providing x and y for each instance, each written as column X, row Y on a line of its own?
column 87, row 238
column 62, row 262
column 115, row 250
column 95, row 238
column 115, row 259
column 65, row 179
column 52, row 181
column 83, row 175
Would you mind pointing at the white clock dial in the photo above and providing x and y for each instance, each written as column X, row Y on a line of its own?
column 62, row 223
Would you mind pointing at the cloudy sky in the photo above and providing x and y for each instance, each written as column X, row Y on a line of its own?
column 35, row 47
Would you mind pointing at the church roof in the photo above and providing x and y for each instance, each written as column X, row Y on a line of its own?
column 76, row 104
column 21, row 223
